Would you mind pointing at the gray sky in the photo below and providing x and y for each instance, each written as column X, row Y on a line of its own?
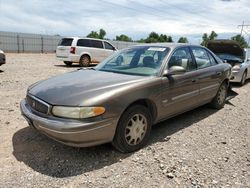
column 136, row 18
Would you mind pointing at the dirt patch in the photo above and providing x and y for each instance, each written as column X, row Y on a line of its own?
column 201, row 148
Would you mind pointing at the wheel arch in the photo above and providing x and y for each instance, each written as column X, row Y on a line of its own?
column 148, row 104
column 86, row 54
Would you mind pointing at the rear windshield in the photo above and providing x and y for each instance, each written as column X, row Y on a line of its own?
column 65, row 42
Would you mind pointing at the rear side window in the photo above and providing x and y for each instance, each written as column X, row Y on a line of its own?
column 108, row 46
column 96, row 44
column 65, row 42
column 84, row 43
column 201, row 57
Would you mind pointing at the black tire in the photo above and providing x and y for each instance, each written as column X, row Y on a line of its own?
column 84, row 61
column 68, row 63
column 219, row 100
column 130, row 120
column 243, row 79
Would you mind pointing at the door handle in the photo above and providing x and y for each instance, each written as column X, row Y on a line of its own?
column 218, row 73
column 194, row 80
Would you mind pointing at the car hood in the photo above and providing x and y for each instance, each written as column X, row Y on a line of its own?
column 76, row 88
column 226, row 47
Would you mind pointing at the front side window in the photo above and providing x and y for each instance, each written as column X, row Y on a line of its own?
column 140, row 60
column 96, row 44
column 201, row 57
column 212, row 60
column 108, row 46
column 182, row 57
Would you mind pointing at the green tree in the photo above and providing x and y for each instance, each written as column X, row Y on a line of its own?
column 241, row 40
column 95, row 34
column 123, row 38
column 102, row 33
column 183, row 40
column 154, row 37
column 206, row 38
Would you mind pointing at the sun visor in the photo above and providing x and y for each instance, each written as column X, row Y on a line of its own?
column 226, row 47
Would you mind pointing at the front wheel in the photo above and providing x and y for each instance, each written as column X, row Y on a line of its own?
column 219, row 100
column 243, row 79
column 133, row 129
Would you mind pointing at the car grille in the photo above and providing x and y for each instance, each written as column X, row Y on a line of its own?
column 37, row 104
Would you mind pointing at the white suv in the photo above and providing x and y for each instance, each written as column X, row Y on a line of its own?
column 83, row 50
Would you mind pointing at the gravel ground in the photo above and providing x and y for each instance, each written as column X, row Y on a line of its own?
column 201, row 148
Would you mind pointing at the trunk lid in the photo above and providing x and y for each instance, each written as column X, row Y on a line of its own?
column 63, row 48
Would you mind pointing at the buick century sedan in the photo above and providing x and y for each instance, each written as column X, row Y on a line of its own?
column 120, row 99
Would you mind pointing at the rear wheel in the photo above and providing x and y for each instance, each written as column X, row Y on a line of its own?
column 133, row 129
column 84, row 61
column 219, row 100
column 68, row 63
column 243, row 79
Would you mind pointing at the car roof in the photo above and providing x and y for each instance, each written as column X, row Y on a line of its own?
column 84, row 38
column 169, row 45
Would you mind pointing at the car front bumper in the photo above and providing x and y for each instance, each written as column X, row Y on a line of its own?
column 2, row 59
column 236, row 76
column 70, row 132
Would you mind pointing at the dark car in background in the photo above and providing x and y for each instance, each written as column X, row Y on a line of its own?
column 231, row 52
column 121, row 98
column 2, row 58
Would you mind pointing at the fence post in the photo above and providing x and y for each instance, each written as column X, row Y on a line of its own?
column 23, row 44
column 42, row 44
column 18, row 50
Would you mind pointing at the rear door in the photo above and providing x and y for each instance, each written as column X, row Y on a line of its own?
column 180, row 92
column 210, row 73
column 63, row 48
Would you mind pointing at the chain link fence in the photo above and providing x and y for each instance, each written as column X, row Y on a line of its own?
column 35, row 43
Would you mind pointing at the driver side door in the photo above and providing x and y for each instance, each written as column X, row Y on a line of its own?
column 180, row 92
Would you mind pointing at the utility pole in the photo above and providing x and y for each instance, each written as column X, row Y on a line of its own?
column 242, row 27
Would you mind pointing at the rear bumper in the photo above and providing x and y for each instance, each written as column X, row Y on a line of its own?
column 71, row 58
column 71, row 132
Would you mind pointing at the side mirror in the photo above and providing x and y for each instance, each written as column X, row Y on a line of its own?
column 248, row 59
column 224, row 61
column 174, row 70
column 114, row 49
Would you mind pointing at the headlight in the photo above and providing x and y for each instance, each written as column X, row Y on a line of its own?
column 77, row 112
column 236, row 67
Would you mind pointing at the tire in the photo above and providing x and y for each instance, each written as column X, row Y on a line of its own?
column 219, row 100
column 84, row 61
column 68, row 63
column 133, row 129
column 243, row 79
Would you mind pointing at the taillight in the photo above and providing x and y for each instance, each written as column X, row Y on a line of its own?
column 73, row 50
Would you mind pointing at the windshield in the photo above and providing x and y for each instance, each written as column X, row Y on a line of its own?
column 144, row 61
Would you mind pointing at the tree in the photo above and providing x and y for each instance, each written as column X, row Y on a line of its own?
column 206, row 38
column 183, row 40
column 241, row 40
column 95, row 34
column 102, row 33
column 123, row 38
column 154, row 37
